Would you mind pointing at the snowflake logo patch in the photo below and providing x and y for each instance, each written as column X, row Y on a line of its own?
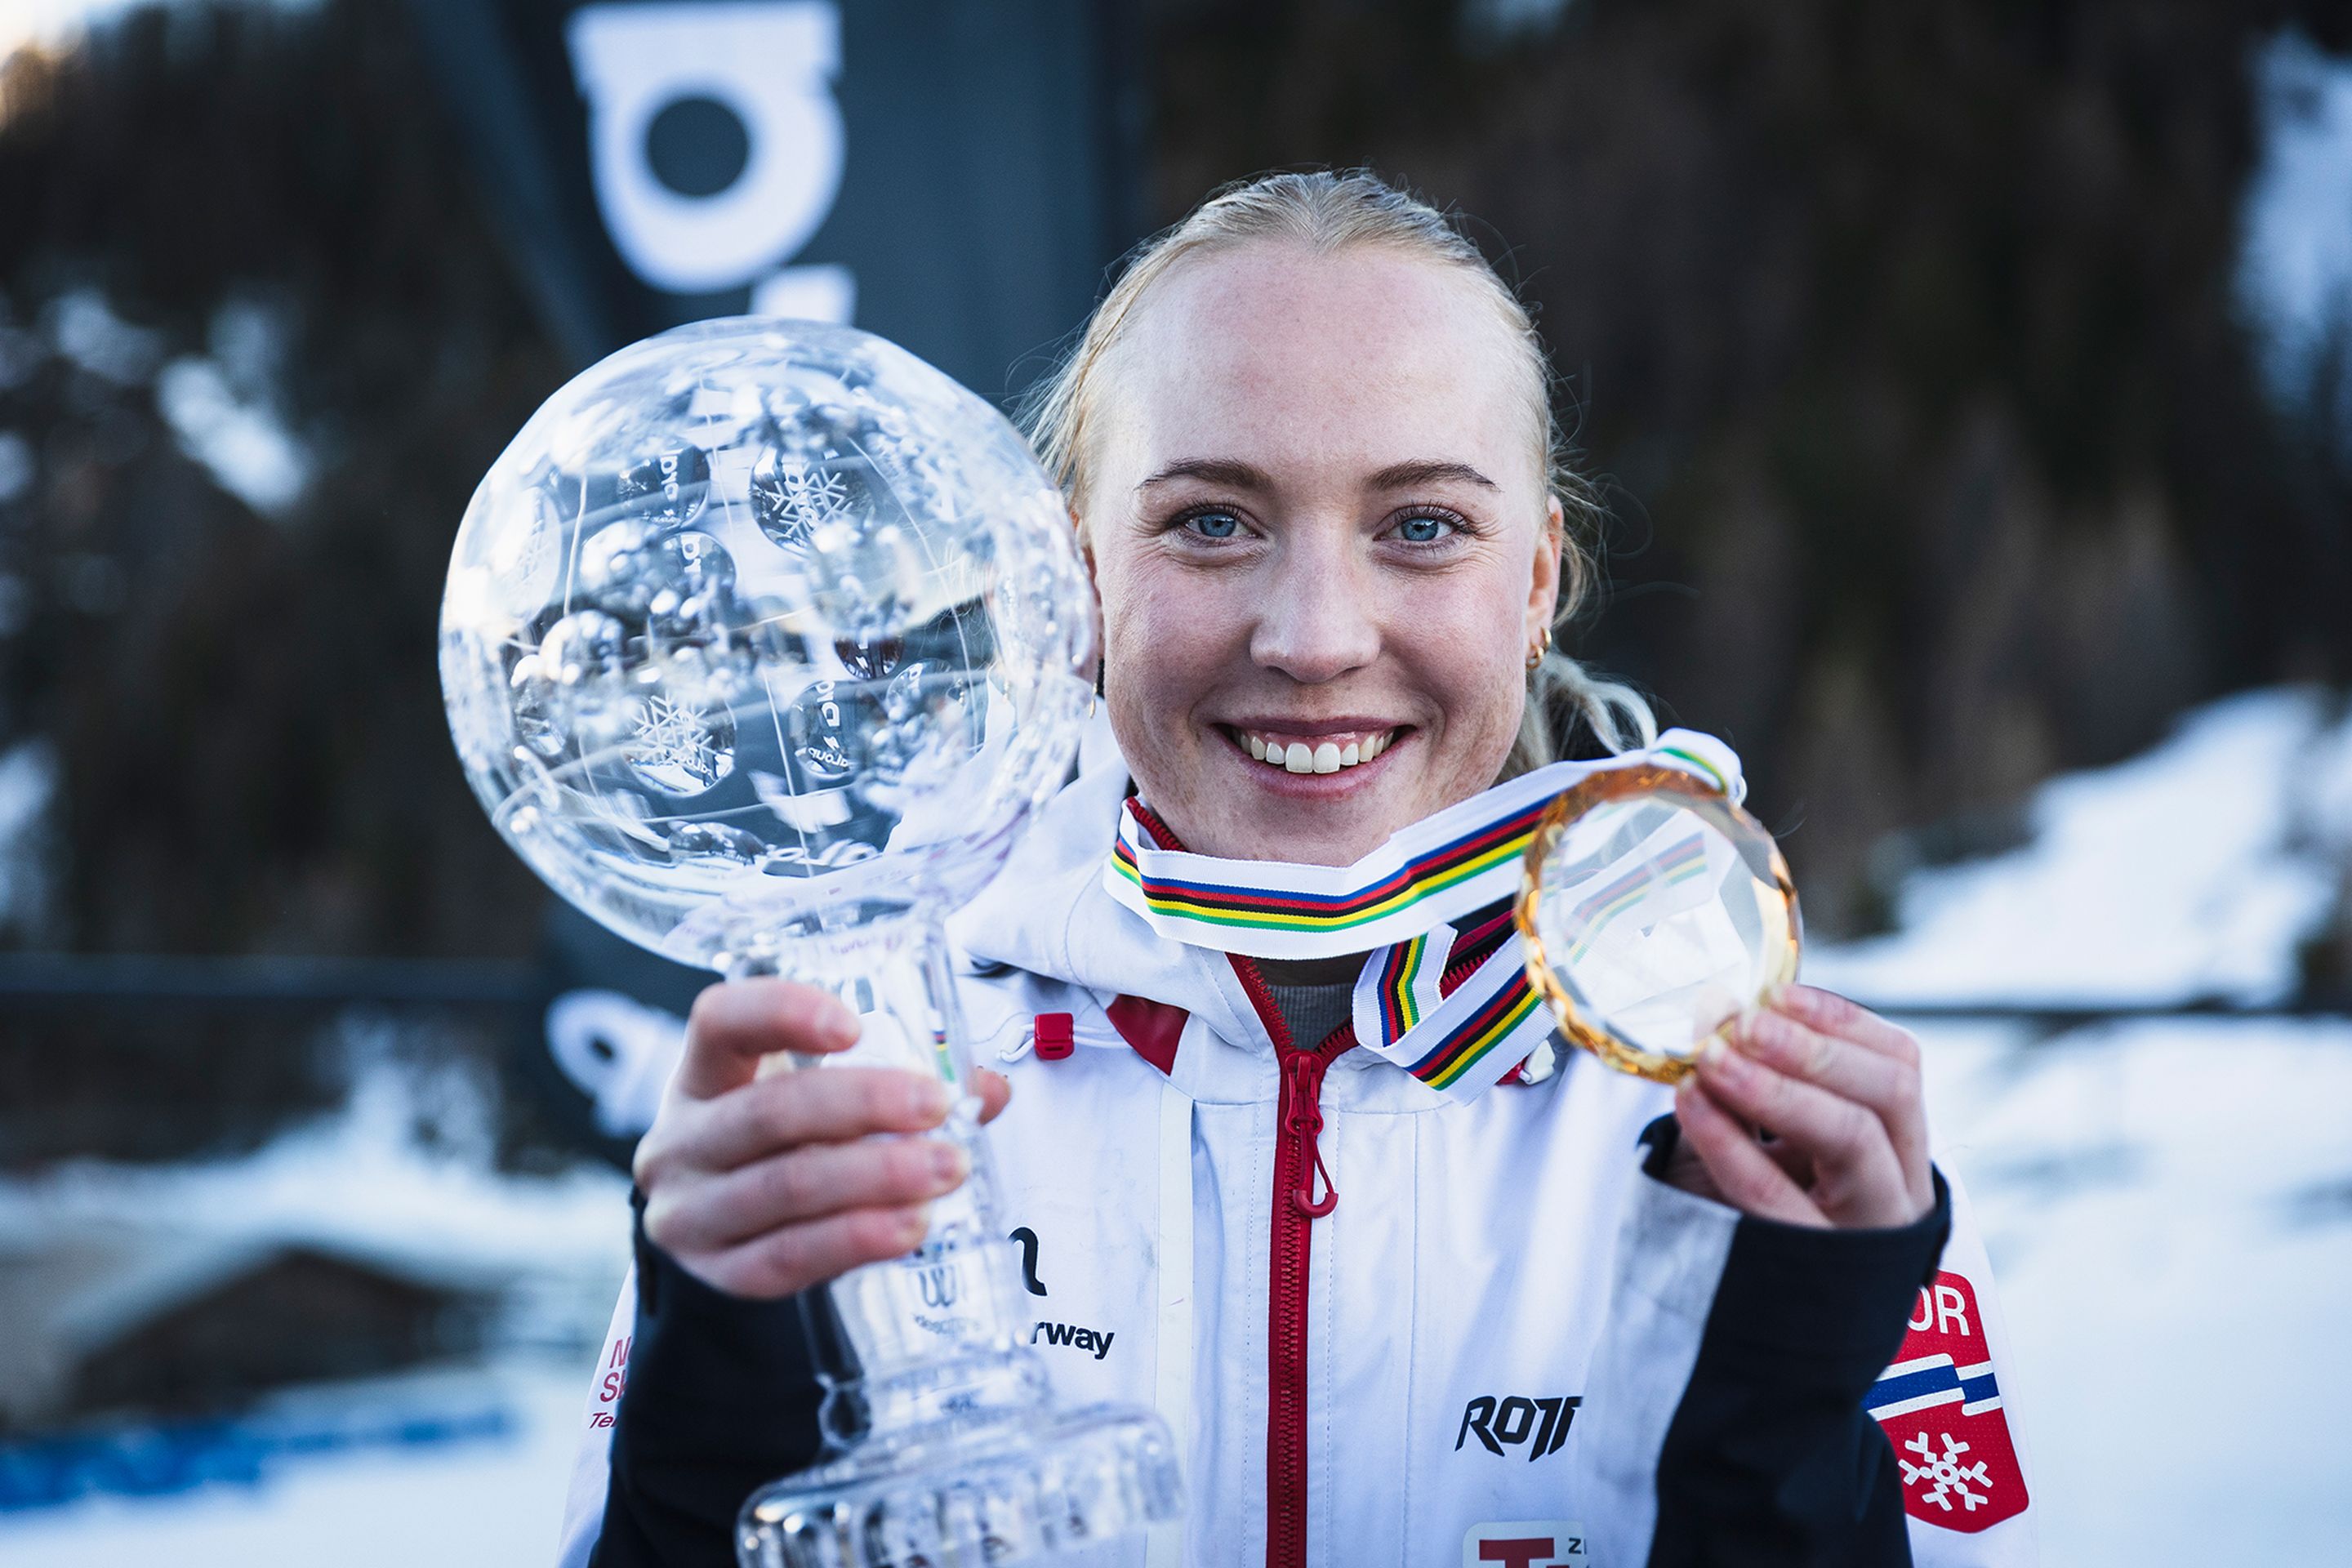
column 1941, row 1406
column 1945, row 1471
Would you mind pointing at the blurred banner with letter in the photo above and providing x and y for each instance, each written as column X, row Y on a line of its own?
column 953, row 174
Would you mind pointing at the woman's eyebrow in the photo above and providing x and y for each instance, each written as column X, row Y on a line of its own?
column 1213, row 471
column 1242, row 476
column 1410, row 476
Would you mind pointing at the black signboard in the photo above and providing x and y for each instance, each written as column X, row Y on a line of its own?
column 953, row 174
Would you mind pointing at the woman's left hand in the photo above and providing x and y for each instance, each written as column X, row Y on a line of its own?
column 1812, row 1114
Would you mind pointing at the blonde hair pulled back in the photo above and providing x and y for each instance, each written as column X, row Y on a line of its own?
column 1328, row 211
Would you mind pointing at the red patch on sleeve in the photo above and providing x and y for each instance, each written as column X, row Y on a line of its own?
column 1940, row 1405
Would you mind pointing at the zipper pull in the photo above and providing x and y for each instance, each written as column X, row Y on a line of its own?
column 1302, row 1115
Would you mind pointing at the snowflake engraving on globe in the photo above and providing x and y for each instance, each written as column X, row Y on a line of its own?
column 759, row 624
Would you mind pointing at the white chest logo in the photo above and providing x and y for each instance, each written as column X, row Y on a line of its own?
column 1525, row 1543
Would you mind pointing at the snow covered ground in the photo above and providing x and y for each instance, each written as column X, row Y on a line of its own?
column 2168, row 1207
column 357, row 1184
column 455, row 1465
column 492, row 1500
column 2168, row 1204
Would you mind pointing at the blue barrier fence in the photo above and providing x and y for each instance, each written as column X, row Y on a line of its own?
column 159, row 1458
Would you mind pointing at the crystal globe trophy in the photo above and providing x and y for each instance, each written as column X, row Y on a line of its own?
column 1653, row 913
column 762, row 641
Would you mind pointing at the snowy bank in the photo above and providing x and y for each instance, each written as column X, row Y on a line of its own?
column 2168, row 1203
column 2192, row 872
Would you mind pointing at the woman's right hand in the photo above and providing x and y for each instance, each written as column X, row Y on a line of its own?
column 766, row 1186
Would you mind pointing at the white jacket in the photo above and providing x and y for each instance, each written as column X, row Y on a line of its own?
column 1494, row 1337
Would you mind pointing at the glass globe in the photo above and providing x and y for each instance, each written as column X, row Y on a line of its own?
column 762, row 641
column 760, row 626
column 1654, row 912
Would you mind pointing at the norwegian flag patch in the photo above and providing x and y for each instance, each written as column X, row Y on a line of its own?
column 1941, row 1406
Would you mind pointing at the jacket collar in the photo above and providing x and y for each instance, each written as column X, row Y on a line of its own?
column 1048, row 912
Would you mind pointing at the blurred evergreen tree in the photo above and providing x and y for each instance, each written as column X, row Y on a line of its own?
column 245, row 709
column 1905, row 336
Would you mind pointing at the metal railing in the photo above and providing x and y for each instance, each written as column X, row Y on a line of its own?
column 271, row 981
column 124, row 979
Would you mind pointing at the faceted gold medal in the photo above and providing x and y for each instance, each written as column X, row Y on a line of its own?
column 1654, row 913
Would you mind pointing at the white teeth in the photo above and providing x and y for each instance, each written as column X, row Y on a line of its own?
column 1318, row 757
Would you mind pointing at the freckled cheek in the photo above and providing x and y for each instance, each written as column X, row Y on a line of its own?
column 1463, row 644
column 1168, row 644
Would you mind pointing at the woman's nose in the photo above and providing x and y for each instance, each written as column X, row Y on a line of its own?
column 1315, row 621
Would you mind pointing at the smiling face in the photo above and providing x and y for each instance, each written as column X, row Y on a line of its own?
column 1316, row 516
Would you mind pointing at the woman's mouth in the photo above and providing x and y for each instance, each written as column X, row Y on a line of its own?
column 1326, row 753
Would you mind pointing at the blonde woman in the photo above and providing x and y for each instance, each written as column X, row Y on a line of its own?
column 1556, row 1315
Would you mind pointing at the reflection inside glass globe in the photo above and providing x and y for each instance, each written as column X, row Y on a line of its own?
column 760, row 620
column 1654, row 913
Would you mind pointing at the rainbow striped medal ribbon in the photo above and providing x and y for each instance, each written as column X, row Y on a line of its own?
column 1458, row 1043
column 1397, row 905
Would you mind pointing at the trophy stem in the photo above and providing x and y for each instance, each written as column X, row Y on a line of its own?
column 935, row 1335
column 942, row 1445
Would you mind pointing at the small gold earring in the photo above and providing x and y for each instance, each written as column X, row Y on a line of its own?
column 1541, row 648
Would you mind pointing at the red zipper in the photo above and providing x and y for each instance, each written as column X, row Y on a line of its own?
column 1303, row 1193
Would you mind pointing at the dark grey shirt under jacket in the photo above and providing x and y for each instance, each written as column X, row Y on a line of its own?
column 1311, row 1013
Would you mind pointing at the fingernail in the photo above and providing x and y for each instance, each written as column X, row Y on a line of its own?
column 949, row 1163
column 934, row 1099
column 1713, row 1053
column 916, row 1224
column 838, row 1026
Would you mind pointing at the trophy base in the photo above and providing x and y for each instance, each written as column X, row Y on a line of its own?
column 995, row 1492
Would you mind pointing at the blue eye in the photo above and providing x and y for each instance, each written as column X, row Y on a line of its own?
column 1214, row 524
column 1425, row 529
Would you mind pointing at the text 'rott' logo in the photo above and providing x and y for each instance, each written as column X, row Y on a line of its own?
column 1499, row 1424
